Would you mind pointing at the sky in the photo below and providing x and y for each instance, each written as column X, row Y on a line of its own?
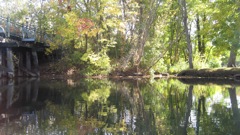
column 9, row 6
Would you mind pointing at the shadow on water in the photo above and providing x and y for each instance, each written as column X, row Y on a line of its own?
column 17, row 93
column 205, row 81
column 88, row 106
column 20, row 99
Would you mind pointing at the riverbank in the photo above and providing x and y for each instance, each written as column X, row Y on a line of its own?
column 49, row 71
column 55, row 71
column 211, row 73
column 212, row 76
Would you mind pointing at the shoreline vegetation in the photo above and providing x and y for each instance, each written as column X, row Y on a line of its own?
column 230, row 73
column 207, row 76
column 130, row 39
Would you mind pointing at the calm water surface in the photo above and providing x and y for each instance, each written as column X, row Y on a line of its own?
column 126, row 107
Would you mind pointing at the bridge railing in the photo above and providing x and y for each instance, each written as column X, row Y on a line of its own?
column 21, row 31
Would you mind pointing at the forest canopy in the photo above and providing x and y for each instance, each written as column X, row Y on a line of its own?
column 99, row 37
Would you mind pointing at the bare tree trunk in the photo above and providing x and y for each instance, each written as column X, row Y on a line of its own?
column 137, row 50
column 138, row 54
column 143, row 36
column 189, row 44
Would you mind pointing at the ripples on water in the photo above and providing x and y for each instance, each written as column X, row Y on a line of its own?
column 91, row 106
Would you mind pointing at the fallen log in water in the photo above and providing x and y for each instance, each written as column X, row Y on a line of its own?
column 219, row 76
column 211, row 73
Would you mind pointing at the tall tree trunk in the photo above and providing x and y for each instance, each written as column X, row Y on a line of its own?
column 199, row 41
column 232, row 57
column 203, row 36
column 200, row 37
column 189, row 44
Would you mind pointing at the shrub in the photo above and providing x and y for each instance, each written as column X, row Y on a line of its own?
column 96, row 64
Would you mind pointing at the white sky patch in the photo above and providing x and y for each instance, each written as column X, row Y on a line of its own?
column 219, row 98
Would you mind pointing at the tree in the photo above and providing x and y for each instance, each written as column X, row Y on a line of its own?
column 235, row 43
column 187, row 34
column 225, row 23
column 147, row 9
column 135, row 35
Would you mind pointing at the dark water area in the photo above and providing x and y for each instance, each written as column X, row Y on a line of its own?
column 109, row 107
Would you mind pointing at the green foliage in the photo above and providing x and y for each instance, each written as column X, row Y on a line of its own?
column 93, row 34
column 215, row 62
column 75, row 58
column 154, row 57
column 99, row 95
column 211, row 60
column 96, row 64
column 177, row 67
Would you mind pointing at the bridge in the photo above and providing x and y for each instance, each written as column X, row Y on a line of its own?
column 19, row 45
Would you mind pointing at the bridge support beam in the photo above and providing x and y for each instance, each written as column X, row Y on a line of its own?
column 28, row 60
column 25, row 62
column 10, row 64
column 10, row 93
column 20, row 64
column 31, row 62
column 35, row 62
column 8, row 27
column 35, row 89
column 4, row 68
column 1, row 62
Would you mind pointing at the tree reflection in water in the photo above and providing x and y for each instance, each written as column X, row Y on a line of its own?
column 117, row 107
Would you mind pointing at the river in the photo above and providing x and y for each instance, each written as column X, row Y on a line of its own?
column 108, row 107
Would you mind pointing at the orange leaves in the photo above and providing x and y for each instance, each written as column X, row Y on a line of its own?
column 86, row 26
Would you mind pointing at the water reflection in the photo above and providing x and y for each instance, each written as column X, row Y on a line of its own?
column 86, row 106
